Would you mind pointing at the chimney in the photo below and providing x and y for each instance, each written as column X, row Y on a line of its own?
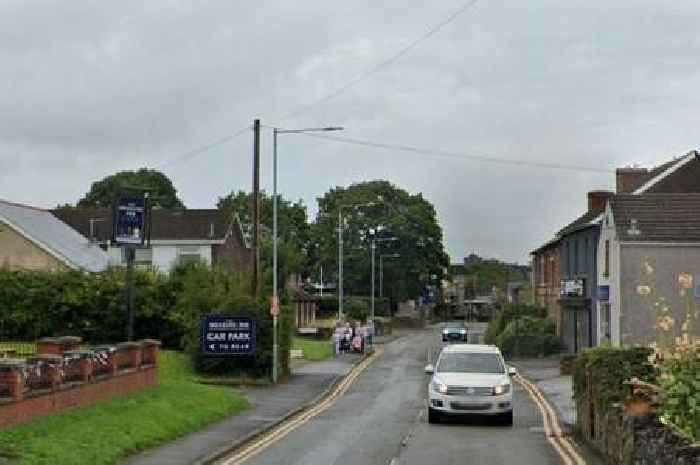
column 597, row 199
column 627, row 179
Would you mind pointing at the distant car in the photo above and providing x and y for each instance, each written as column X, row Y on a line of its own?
column 470, row 379
column 454, row 331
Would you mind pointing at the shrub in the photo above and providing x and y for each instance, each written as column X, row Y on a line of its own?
column 508, row 314
column 681, row 382
column 528, row 336
column 608, row 368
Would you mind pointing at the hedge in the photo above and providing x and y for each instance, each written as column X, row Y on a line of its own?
column 680, row 378
column 35, row 304
column 528, row 337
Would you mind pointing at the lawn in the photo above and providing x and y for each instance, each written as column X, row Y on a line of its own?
column 314, row 350
column 107, row 432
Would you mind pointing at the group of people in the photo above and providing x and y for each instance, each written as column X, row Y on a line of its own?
column 352, row 337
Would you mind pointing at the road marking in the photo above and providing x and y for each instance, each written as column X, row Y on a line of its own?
column 275, row 434
column 553, row 431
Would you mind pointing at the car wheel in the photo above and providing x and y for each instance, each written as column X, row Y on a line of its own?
column 507, row 418
column 433, row 416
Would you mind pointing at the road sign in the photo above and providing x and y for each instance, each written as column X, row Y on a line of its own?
column 228, row 335
column 275, row 306
column 130, row 212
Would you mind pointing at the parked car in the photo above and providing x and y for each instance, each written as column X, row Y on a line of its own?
column 470, row 379
column 454, row 331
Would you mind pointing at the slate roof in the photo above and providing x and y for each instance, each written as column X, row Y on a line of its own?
column 202, row 225
column 658, row 217
column 54, row 236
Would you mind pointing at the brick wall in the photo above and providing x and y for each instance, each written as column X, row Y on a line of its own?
column 79, row 396
column 233, row 255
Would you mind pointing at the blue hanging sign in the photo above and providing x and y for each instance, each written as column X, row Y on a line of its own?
column 130, row 212
column 226, row 335
column 604, row 293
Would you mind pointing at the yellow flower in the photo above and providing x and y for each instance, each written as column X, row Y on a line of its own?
column 685, row 280
column 643, row 290
column 665, row 322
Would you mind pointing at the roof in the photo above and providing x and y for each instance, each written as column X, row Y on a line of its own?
column 583, row 221
column 54, row 236
column 190, row 225
column 657, row 217
column 472, row 348
column 550, row 243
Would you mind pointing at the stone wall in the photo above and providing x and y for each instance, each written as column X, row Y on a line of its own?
column 624, row 439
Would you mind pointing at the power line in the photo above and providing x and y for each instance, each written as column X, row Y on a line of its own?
column 378, row 67
column 193, row 153
column 383, row 64
column 461, row 156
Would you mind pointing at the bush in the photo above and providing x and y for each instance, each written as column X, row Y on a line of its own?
column 608, row 368
column 681, row 382
column 507, row 315
column 528, row 337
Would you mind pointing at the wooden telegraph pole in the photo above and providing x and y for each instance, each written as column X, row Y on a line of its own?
column 255, row 284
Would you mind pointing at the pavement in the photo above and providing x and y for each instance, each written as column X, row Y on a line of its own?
column 381, row 419
column 269, row 405
column 557, row 388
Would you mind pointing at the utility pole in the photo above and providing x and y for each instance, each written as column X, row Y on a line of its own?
column 340, row 263
column 255, row 285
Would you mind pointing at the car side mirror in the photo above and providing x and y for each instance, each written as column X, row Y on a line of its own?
column 429, row 369
column 512, row 371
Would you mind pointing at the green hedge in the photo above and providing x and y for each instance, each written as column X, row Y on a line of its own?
column 608, row 369
column 506, row 315
column 528, row 337
column 166, row 307
column 681, row 382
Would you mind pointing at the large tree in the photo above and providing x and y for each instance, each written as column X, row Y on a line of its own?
column 293, row 230
column 390, row 212
column 161, row 191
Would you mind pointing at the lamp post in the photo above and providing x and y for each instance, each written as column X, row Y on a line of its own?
column 275, row 296
column 340, row 253
column 381, row 271
column 373, row 247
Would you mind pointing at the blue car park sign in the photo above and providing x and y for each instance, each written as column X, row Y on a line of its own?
column 227, row 335
column 130, row 223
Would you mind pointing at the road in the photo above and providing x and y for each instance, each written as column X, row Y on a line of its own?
column 381, row 419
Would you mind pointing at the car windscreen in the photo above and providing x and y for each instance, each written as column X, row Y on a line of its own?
column 470, row 363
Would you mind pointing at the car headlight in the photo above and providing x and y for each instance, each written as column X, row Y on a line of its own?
column 445, row 331
column 463, row 331
column 439, row 386
column 501, row 389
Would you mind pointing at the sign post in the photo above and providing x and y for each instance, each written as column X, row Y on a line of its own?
column 274, row 311
column 228, row 335
column 130, row 231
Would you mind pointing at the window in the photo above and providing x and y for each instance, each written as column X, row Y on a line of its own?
column 585, row 254
column 605, row 322
column 188, row 254
column 575, row 270
column 606, row 265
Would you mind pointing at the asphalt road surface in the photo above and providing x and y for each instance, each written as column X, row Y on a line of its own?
column 382, row 420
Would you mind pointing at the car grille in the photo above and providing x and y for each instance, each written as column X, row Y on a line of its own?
column 471, row 407
column 469, row 391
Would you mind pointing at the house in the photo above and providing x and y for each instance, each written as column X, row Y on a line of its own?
column 209, row 235
column 575, row 313
column 34, row 239
column 546, row 279
column 649, row 270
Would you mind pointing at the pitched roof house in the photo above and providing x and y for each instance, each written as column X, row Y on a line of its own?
column 207, row 235
column 649, row 270
column 34, row 239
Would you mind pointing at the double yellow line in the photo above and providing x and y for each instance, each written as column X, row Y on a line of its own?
column 561, row 443
column 268, row 438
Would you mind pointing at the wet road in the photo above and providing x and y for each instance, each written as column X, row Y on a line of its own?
column 382, row 420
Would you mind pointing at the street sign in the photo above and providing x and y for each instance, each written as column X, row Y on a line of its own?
column 275, row 306
column 130, row 212
column 228, row 335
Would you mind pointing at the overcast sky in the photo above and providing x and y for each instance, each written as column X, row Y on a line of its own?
column 89, row 88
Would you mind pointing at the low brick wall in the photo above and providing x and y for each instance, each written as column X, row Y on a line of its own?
column 83, row 395
column 624, row 439
column 60, row 377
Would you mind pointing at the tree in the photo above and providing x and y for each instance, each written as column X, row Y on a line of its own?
column 379, row 205
column 161, row 190
column 293, row 230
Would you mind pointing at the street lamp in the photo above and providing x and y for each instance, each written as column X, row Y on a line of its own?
column 340, row 253
column 275, row 297
column 381, row 271
column 375, row 240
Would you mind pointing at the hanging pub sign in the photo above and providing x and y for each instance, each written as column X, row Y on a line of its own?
column 130, row 220
column 604, row 293
column 572, row 288
column 227, row 335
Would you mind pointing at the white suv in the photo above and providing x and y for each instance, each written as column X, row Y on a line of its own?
column 470, row 379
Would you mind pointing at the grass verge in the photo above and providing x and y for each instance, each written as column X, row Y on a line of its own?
column 314, row 350
column 109, row 431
